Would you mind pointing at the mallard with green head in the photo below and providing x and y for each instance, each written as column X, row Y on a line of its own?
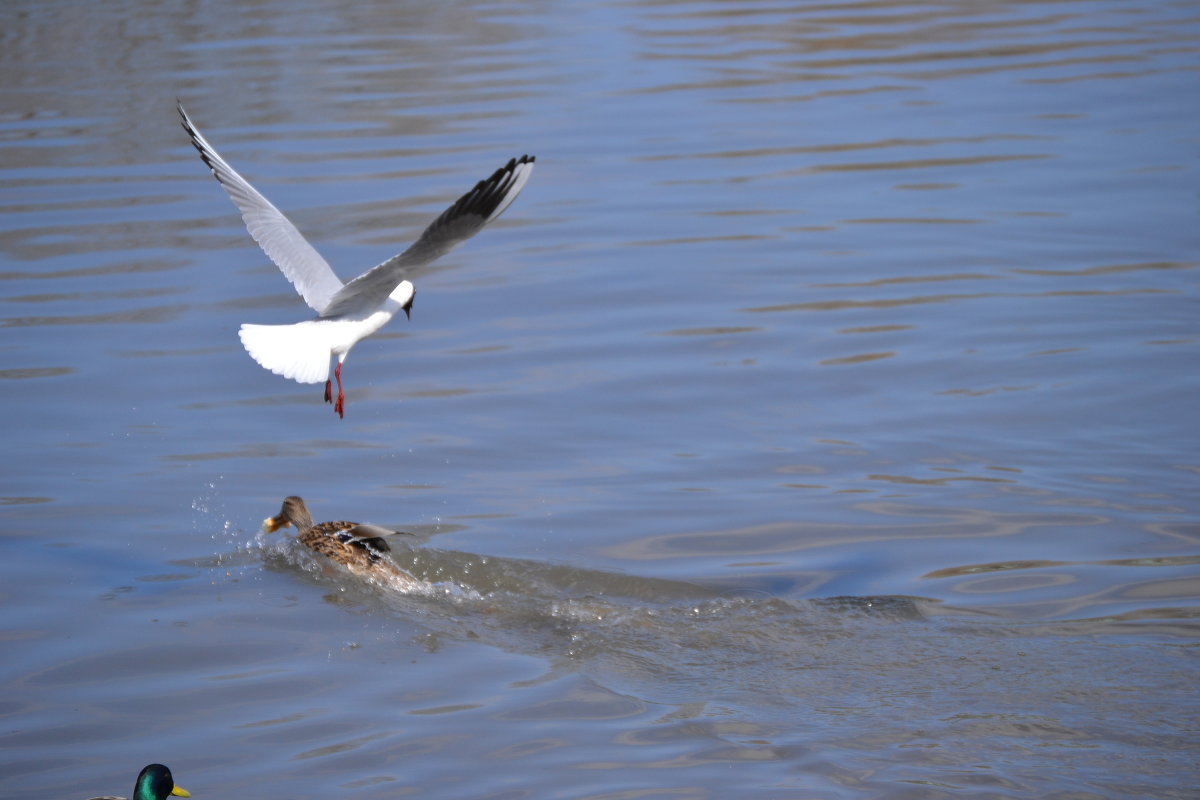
column 154, row 782
column 362, row 549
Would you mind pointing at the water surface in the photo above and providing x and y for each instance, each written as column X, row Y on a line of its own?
column 819, row 422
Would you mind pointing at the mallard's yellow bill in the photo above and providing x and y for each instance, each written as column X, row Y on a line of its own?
column 272, row 524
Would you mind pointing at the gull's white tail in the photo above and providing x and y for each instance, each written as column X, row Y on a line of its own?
column 300, row 351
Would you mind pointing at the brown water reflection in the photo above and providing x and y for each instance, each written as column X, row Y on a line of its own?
column 786, row 537
column 841, row 305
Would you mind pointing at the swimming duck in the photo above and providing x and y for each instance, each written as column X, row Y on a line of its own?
column 359, row 548
column 154, row 782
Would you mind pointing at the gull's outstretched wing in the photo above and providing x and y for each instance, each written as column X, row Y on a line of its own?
column 456, row 224
column 275, row 234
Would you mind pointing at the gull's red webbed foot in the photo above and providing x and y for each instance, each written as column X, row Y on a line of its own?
column 340, row 405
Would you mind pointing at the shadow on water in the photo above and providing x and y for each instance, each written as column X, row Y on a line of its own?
column 661, row 635
column 577, row 617
column 694, row 672
column 866, row 673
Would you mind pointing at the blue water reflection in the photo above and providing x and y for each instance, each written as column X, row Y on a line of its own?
column 869, row 301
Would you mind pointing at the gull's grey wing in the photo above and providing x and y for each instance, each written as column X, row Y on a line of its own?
column 456, row 224
column 275, row 234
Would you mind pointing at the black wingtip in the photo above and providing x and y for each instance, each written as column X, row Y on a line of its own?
column 490, row 191
column 194, row 136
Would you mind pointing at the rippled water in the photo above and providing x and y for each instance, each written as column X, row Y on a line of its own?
column 819, row 422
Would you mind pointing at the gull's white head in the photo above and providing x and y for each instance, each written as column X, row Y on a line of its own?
column 403, row 296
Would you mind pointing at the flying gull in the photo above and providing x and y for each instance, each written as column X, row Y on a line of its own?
column 346, row 313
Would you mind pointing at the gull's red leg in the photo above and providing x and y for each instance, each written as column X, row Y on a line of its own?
column 328, row 392
column 340, row 405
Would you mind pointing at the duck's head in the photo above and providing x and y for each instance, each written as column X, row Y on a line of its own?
column 293, row 512
column 155, row 783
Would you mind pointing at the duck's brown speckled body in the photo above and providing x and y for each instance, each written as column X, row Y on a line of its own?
column 360, row 548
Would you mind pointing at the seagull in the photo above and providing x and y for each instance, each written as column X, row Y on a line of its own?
column 346, row 313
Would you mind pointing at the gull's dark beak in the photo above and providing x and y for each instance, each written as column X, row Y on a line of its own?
column 411, row 299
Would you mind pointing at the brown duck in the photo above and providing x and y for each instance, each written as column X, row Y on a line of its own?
column 360, row 548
